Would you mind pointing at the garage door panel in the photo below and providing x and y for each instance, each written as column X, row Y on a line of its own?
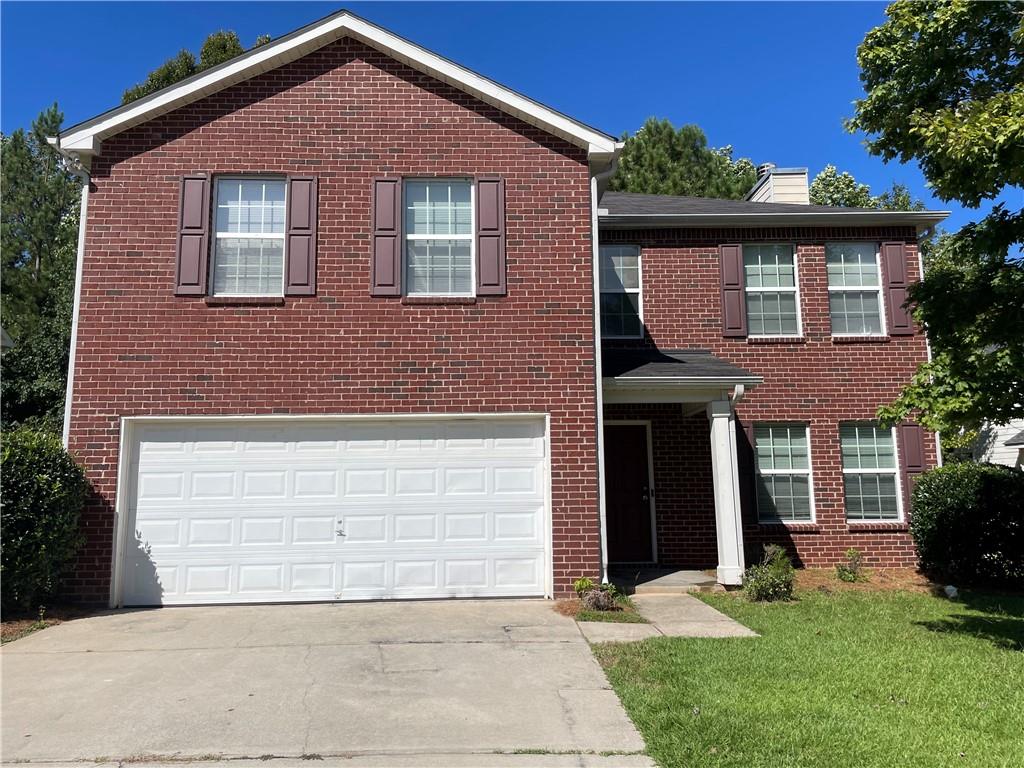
column 248, row 512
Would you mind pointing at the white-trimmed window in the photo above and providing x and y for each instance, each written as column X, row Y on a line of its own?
column 248, row 249
column 855, row 289
column 621, row 292
column 771, row 287
column 439, row 237
column 870, row 473
column 783, row 465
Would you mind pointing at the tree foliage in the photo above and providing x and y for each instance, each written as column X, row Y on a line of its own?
column 945, row 87
column 841, row 189
column 39, row 212
column 218, row 47
column 660, row 159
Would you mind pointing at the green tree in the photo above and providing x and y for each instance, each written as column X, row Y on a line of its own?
column 218, row 47
column 39, row 214
column 833, row 188
column 944, row 85
column 662, row 160
column 171, row 71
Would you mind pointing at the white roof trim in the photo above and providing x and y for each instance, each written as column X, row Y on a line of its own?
column 86, row 138
column 921, row 219
column 678, row 382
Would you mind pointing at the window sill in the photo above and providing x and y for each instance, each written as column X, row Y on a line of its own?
column 802, row 527
column 860, row 339
column 244, row 301
column 877, row 526
column 435, row 300
column 776, row 340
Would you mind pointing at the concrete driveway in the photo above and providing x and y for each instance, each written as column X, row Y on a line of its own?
column 504, row 683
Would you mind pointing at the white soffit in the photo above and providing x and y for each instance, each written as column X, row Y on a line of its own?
column 86, row 138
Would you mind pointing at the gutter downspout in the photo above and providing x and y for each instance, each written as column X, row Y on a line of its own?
column 595, row 182
column 75, row 166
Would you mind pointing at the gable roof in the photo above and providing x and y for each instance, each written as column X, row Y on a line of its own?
column 627, row 210
column 86, row 137
column 696, row 366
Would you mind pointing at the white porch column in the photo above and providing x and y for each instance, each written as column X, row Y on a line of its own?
column 725, row 473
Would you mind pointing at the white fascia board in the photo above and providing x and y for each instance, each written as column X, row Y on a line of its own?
column 84, row 137
column 679, row 382
column 920, row 219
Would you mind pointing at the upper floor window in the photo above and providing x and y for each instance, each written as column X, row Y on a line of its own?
column 249, row 237
column 854, row 289
column 772, row 296
column 621, row 292
column 439, row 237
column 870, row 484
column 783, row 473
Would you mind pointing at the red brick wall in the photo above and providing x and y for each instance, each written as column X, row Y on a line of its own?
column 346, row 114
column 819, row 379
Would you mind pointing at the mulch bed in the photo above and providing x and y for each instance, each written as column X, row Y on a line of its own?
column 874, row 580
column 16, row 625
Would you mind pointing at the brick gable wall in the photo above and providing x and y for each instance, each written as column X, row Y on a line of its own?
column 345, row 114
column 819, row 380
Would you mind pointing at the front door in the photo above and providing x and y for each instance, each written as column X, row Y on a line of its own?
column 628, row 499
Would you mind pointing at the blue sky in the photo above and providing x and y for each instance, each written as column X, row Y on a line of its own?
column 608, row 64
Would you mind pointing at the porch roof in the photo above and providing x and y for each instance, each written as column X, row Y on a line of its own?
column 679, row 367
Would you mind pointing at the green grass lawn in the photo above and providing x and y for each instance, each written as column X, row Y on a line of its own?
column 842, row 679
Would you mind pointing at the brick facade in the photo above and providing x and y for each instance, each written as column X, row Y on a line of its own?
column 818, row 380
column 345, row 114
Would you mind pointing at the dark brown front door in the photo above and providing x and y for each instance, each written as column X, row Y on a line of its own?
column 628, row 500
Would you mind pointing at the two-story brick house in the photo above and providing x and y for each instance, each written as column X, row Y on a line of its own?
column 338, row 335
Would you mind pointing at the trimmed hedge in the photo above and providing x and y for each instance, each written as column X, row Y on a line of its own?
column 968, row 524
column 42, row 492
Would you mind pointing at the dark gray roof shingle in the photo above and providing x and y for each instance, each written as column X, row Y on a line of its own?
column 669, row 363
column 636, row 204
column 1017, row 439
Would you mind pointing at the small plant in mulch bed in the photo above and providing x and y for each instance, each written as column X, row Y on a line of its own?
column 852, row 569
column 772, row 578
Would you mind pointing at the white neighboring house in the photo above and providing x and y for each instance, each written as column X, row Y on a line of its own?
column 1001, row 443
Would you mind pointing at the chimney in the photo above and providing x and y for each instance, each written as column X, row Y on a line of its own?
column 780, row 185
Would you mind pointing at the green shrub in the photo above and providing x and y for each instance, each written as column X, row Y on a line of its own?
column 582, row 585
column 850, row 570
column 43, row 491
column 968, row 524
column 772, row 578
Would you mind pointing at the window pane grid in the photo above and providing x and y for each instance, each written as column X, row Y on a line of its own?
column 772, row 296
column 854, row 284
column 439, row 237
column 621, row 284
column 870, row 486
column 248, row 253
column 783, row 467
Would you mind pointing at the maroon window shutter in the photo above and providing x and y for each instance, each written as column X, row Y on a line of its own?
column 386, row 246
column 911, row 437
column 734, row 302
column 300, row 238
column 193, row 236
column 490, row 237
column 894, row 271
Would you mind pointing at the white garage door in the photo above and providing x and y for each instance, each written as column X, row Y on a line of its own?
column 247, row 511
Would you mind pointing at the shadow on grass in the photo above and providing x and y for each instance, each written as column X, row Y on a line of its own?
column 1002, row 623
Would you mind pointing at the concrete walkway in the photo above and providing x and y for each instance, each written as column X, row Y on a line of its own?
column 679, row 615
column 453, row 683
